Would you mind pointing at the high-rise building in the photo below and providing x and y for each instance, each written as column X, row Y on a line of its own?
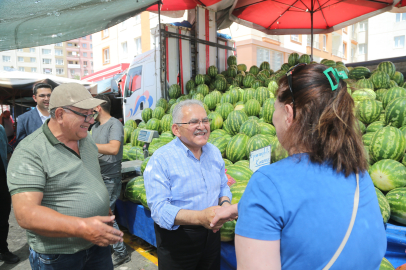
column 79, row 55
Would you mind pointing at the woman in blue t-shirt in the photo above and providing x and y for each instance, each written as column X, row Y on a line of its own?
column 295, row 213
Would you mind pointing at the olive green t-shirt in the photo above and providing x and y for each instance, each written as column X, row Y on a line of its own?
column 71, row 184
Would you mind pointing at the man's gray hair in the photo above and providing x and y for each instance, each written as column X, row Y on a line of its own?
column 52, row 112
column 177, row 113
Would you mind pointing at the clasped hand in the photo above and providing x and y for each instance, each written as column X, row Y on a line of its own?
column 216, row 216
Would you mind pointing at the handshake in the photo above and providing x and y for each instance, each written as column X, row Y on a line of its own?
column 214, row 217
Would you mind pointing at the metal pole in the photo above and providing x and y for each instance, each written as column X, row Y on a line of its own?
column 311, row 19
column 163, row 60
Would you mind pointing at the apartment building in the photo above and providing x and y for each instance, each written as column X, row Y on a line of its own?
column 79, row 57
column 122, row 42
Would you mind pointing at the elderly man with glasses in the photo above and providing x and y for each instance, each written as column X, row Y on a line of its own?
column 57, row 190
column 185, row 182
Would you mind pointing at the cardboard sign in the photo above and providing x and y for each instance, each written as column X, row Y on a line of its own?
column 260, row 157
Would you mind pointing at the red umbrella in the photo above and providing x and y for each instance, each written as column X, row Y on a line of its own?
column 402, row 3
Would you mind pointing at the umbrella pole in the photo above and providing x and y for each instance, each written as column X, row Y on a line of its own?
column 311, row 40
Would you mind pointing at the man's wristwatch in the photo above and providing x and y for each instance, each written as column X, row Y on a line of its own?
column 224, row 202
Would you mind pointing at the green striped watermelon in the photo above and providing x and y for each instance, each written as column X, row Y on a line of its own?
column 172, row 108
column 216, row 120
column 237, row 190
column 134, row 138
column 162, row 103
column 227, row 162
column 293, row 59
column 261, row 94
column 388, row 174
column 387, row 143
column 265, row 65
column 395, row 112
column 232, row 72
column 190, row 85
column 368, row 111
column 392, row 84
column 383, row 205
column 363, row 94
column 268, row 110
column 153, row 124
column 250, row 128
column 236, row 94
column 364, row 83
column 256, row 119
column 397, row 202
column 239, row 78
column 158, row 113
column 248, row 80
column 267, row 129
column 380, row 79
column 142, row 124
column 386, row 265
column 202, row 89
column 375, row 126
column 330, row 63
column 252, row 107
column 227, row 231
column 232, row 60
column 256, row 142
column 144, row 165
column 239, row 173
column 359, row 72
column 224, row 110
column 342, row 68
column 221, row 144
column 285, row 67
column 220, row 84
column 211, row 101
column 131, row 123
column 217, row 95
column 262, row 77
column 198, row 96
column 273, row 86
column 256, row 84
column 135, row 153
column 391, row 94
column 387, row 67
column 146, row 114
column 249, row 93
column 228, row 98
column 199, row 79
column 235, row 150
column 304, row 58
column 207, row 79
column 242, row 67
column 127, row 133
column 244, row 163
column 380, row 93
column 135, row 191
column 166, row 123
column 254, row 70
column 398, row 78
column 367, row 137
column 212, row 71
column 174, row 91
column 277, row 151
column 234, row 121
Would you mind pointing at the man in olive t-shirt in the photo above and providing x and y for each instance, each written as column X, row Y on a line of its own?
column 108, row 134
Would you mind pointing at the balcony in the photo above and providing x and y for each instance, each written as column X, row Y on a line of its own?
column 274, row 37
column 338, row 53
column 73, row 66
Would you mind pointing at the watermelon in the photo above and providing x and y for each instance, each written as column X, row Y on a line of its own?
column 227, row 162
column 221, row 144
column 166, row 123
column 387, row 143
column 131, row 123
column 398, row 78
column 153, row 124
column 293, row 59
column 395, row 113
column 250, row 128
column 212, row 71
column 220, row 84
column 253, row 118
column 144, row 165
column 391, row 94
column 256, row 84
column 231, row 72
column 234, row 121
column 174, row 91
column 244, row 163
column 342, row 68
column 386, row 265
column 239, row 172
column 236, row 94
column 367, row 137
column 330, row 63
column 383, row 205
column 388, row 67
column 363, row 94
column 135, row 191
column 380, row 93
column 387, row 174
column 380, row 79
column 228, row 98
column 198, row 96
column 254, row 70
column 190, row 85
column 199, row 79
column 216, row 120
column 304, row 58
column 261, row 94
column 135, row 153
column 375, row 126
column 397, row 202
column 248, row 80
column 217, row 95
column 265, row 65
column 225, row 109
column 273, row 86
column 277, row 151
column 237, row 190
column 256, row 142
column 127, row 133
column 232, row 60
column 252, row 107
column 267, row 129
column 242, row 67
column 158, row 113
column 227, row 231
column 359, row 72
column 364, row 83
column 202, row 89
column 134, row 138
column 268, row 110
column 166, row 134
column 262, row 77
column 235, row 150
column 146, row 114
column 360, row 126
column 368, row 111
column 285, row 67
column 392, row 84
column 219, row 132
column 211, row 101
column 249, row 93
column 162, row 103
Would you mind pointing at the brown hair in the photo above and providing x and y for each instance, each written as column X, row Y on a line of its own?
column 325, row 125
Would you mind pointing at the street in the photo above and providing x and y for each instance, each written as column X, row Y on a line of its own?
column 17, row 242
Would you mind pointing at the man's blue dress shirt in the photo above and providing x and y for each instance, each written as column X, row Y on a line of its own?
column 174, row 180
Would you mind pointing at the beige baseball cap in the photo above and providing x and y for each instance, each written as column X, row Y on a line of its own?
column 73, row 94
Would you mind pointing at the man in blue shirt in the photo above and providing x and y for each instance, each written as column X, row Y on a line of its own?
column 185, row 182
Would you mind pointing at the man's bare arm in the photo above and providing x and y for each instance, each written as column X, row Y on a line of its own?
column 193, row 217
column 111, row 148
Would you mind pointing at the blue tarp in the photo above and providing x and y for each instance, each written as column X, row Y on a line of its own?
column 138, row 221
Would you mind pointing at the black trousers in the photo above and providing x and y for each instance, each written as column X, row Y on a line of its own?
column 188, row 248
column 5, row 209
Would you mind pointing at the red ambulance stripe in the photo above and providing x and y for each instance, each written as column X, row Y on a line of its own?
column 167, row 58
column 181, row 62
column 208, row 39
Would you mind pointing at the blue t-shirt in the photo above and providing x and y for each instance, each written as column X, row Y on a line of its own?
column 308, row 207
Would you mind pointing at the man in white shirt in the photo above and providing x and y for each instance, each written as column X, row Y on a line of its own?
column 30, row 121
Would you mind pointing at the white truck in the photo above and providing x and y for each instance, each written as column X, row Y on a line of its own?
column 181, row 53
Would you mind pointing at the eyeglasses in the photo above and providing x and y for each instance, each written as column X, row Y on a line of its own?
column 44, row 96
column 88, row 117
column 194, row 122
column 289, row 74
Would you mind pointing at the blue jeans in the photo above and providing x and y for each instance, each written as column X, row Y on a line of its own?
column 94, row 258
column 113, row 186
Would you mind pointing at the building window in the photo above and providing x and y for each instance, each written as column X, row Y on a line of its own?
column 46, row 61
column 58, row 52
column 91, row 46
column 33, row 69
column 70, row 62
column 400, row 17
column 83, row 37
column 345, row 50
column 72, row 72
column 20, row 59
column 85, row 63
column 263, row 55
column 324, row 42
column 21, row 69
column 46, row 51
column 138, row 49
column 47, row 71
column 153, row 42
column 91, row 55
column 91, row 63
column 70, row 45
column 294, row 38
column 137, row 19
column 124, row 48
column 19, row 50
column 400, row 42
column 362, row 48
column 85, row 54
column 105, row 33
column 58, row 44
column 123, row 25
column 60, row 71
column 32, row 50
column 32, row 59
column 90, row 37
column 363, row 26
column 59, row 61
column 84, row 45
column 6, row 58
column 106, row 55
column 86, row 72
column 7, row 68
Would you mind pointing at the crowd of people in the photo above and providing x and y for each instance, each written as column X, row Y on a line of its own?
column 316, row 209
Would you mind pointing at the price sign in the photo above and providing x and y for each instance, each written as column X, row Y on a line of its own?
column 260, row 157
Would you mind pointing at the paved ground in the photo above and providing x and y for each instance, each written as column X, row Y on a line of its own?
column 17, row 242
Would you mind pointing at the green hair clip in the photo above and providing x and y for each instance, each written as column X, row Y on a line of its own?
column 337, row 74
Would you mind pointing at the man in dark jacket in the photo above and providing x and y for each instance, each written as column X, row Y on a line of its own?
column 30, row 121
